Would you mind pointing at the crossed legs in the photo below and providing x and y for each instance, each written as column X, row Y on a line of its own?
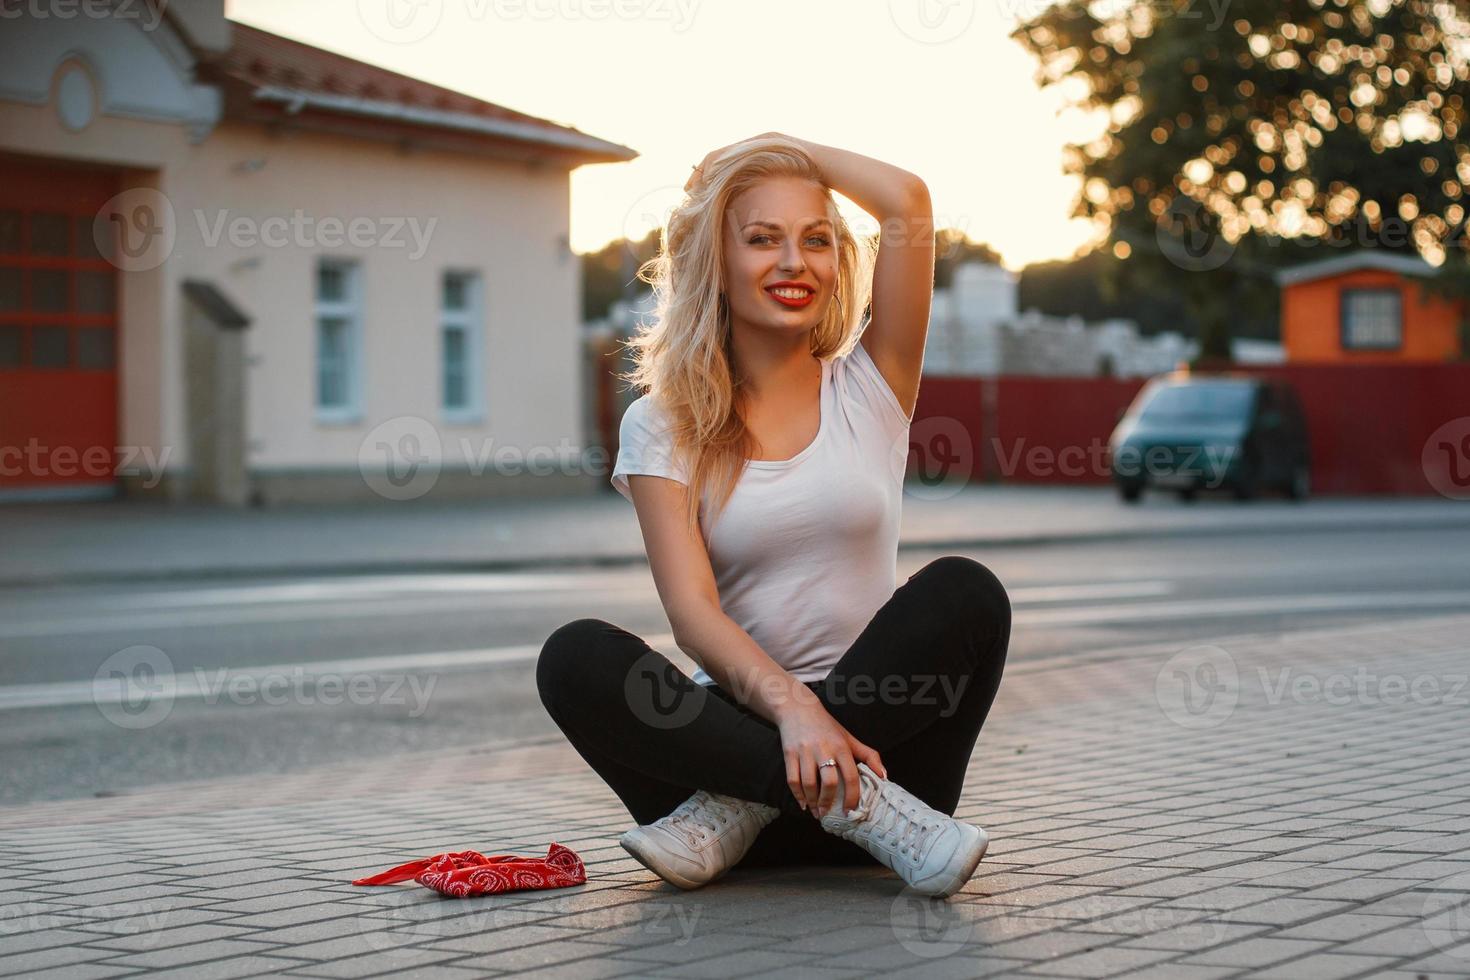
column 916, row 685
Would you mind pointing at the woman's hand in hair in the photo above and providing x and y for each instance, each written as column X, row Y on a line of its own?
column 809, row 736
column 696, row 176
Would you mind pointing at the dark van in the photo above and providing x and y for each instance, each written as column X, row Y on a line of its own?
column 1191, row 432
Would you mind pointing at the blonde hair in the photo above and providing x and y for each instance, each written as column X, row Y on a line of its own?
column 682, row 358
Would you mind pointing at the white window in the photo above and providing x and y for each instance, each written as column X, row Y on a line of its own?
column 1372, row 319
column 338, row 341
column 461, row 345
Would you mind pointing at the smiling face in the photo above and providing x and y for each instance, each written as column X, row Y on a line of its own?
column 780, row 255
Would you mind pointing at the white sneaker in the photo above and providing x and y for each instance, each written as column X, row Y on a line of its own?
column 704, row 837
column 931, row 851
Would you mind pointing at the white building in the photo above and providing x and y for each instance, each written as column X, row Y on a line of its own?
column 234, row 266
column 976, row 330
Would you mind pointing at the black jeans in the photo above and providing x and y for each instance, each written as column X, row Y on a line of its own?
column 915, row 685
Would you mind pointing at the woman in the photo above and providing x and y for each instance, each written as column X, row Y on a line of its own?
column 766, row 467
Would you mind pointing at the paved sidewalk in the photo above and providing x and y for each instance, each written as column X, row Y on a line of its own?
column 134, row 541
column 1274, row 806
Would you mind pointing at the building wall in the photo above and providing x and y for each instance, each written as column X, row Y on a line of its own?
column 149, row 391
column 496, row 218
column 976, row 330
column 506, row 220
column 1311, row 321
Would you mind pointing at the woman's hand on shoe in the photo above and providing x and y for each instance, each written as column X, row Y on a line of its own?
column 810, row 737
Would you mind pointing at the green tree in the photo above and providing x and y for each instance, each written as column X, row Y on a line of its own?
column 953, row 248
column 610, row 273
column 1244, row 137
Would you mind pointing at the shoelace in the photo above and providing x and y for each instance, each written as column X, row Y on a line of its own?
column 686, row 819
column 900, row 819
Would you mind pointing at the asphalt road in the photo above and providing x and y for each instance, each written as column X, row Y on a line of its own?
column 108, row 690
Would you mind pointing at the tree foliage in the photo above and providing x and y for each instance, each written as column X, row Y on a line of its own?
column 610, row 273
column 952, row 249
column 1241, row 136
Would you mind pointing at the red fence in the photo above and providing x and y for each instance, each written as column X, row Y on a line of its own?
column 1369, row 426
column 1055, row 430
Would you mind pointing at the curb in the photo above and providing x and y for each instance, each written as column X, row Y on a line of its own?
column 573, row 562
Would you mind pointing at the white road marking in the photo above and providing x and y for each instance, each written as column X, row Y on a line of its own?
column 357, row 608
column 188, row 686
column 406, row 595
column 1242, row 605
column 362, row 587
column 1024, row 594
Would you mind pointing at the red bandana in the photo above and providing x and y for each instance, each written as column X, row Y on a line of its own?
column 465, row 873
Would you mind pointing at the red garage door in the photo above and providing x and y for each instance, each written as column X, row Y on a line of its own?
column 58, row 332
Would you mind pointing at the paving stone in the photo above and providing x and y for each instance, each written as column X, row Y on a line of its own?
column 743, row 963
column 591, row 969
column 42, row 959
column 1196, row 936
column 859, row 939
column 27, row 942
column 1358, row 889
column 1344, row 927
column 532, row 956
column 1173, row 886
column 955, row 968
column 1182, row 971
column 892, row 955
column 80, row 971
column 1285, row 911
column 383, row 963
column 213, row 949
column 1449, row 959
column 1048, row 945
column 165, row 938
column 268, row 903
column 1325, row 966
column 1257, row 952
column 229, row 969
column 1122, row 845
column 1404, row 941
column 1102, row 962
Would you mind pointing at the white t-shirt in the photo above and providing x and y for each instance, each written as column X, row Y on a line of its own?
column 806, row 550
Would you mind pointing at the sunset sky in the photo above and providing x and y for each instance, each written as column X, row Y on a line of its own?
column 933, row 86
